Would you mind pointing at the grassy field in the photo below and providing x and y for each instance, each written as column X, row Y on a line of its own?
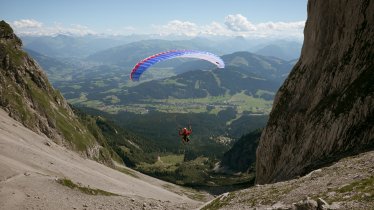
column 249, row 103
column 241, row 102
column 164, row 164
column 194, row 173
column 262, row 92
column 172, row 159
column 212, row 104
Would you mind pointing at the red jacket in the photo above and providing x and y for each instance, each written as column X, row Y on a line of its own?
column 185, row 132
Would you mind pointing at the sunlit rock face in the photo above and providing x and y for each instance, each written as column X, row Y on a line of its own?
column 28, row 97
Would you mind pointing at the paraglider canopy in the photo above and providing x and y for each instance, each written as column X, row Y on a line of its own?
column 144, row 64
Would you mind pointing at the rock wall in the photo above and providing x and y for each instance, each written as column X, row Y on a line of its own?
column 325, row 108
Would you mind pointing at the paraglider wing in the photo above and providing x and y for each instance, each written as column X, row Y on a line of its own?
column 144, row 64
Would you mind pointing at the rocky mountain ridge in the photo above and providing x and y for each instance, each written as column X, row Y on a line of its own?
column 28, row 97
column 325, row 108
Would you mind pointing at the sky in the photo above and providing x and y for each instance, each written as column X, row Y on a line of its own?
column 248, row 18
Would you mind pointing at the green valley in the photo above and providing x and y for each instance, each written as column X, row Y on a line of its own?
column 140, row 120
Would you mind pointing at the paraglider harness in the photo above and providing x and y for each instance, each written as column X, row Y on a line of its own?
column 185, row 133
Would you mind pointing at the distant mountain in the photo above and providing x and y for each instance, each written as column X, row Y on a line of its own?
column 263, row 66
column 235, row 44
column 73, row 46
column 285, row 50
column 197, row 84
column 129, row 54
column 68, row 46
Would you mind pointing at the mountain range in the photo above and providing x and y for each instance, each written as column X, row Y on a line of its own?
column 66, row 46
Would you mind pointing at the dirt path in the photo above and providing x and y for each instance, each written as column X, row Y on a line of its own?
column 29, row 169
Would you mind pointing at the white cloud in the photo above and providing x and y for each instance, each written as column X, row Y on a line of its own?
column 238, row 23
column 74, row 29
column 33, row 27
column 232, row 25
column 27, row 23
column 178, row 27
column 214, row 28
column 280, row 29
column 119, row 31
column 129, row 28
column 186, row 28
column 299, row 25
column 242, row 26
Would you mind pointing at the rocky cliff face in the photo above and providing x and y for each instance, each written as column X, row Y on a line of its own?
column 325, row 109
column 28, row 97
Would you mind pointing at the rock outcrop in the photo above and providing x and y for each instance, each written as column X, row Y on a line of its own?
column 28, row 97
column 346, row 184
column 325, row 108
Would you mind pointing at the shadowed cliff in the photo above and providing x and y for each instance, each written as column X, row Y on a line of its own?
column 325, row 108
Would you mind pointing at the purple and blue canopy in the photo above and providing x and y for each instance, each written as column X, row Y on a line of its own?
column 144, row 64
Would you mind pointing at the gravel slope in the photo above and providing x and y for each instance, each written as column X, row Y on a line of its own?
column 30, row 165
